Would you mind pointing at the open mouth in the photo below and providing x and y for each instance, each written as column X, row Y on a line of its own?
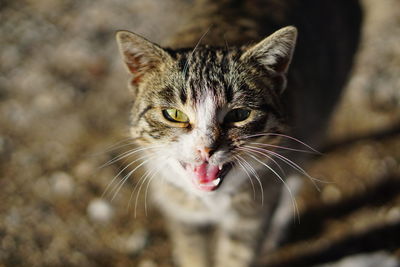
column 207, row 177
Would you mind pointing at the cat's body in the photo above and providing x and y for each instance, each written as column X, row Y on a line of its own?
column 197, row 110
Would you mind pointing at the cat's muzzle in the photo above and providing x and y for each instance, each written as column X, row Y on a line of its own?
column 207, row 177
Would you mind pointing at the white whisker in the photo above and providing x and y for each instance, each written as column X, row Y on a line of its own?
column 147, row 187
column 144, row 175
column 248, row 175
column 283, row 147
column 149, row 176
column 118, row 144
column 253, row 171
column 291, row 164
column 121, row 183
column 142, row 182
column 114, row 146
column 127, row 154
column 274, row 161
column 286, row 136
column 119, row 173
column 294, row 203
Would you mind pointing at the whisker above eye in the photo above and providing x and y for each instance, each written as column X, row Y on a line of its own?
column 194, row 49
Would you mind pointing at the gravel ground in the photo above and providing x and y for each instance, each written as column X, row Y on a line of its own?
column 64, row 108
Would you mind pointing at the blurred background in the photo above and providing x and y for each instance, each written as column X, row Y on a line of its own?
column 64, row 109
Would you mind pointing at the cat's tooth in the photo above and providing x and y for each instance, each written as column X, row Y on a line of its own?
column 220, row 166
column 216, row 181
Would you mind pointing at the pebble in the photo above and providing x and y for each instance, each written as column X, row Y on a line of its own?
column 2, row 144
column 42, row 187
column 45, row 103
column 84, row 169
column 100, row 211
column 62, row 184
column 147, row 263
column 137, row 241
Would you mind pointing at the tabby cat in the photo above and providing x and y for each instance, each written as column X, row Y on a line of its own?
column 212, row 121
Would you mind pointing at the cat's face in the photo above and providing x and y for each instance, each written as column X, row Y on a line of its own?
column 195, row 109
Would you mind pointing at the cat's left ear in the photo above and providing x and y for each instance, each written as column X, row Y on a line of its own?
column 140, row 55
column 275, row 51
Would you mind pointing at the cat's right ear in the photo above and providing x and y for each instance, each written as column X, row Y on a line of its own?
column 140, row 55
column 274, row 53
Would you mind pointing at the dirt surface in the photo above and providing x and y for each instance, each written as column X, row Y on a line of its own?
column 64, row 113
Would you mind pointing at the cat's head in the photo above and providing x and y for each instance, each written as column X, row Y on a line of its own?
column 195, row 109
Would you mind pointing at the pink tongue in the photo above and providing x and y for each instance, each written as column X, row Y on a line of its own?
column 206, row 173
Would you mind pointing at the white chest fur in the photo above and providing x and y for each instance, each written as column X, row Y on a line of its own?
column 190, row 208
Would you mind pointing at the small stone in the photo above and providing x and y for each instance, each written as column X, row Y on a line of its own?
column 45, row 103
column 42, row 187
column 62, row 184
column 331, row 194
column 2, row 144
column 147, row 263
column 137, row 241
column 84, row 169
column 100, row 210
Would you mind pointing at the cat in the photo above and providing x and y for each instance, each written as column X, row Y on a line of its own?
column 211, row 113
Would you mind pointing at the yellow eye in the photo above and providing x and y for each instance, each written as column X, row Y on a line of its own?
column 175, row 115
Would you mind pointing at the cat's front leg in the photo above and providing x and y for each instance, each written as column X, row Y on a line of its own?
column 189, row 244
column 237, row 245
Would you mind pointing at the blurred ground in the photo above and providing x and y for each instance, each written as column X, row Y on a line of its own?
column 63, row 103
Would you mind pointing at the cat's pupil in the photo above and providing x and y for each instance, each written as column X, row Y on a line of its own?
column 237, row 115
column 175, row 115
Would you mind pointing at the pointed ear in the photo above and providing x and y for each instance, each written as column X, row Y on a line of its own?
column 140, row 55
column 274, row 52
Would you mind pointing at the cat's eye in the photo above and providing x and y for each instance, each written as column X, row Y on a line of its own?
column 175, row 115
column 237, row 115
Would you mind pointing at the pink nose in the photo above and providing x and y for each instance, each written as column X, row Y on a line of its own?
column 205, row 153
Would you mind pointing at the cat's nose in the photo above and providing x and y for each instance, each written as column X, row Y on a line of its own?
column 206, row 152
